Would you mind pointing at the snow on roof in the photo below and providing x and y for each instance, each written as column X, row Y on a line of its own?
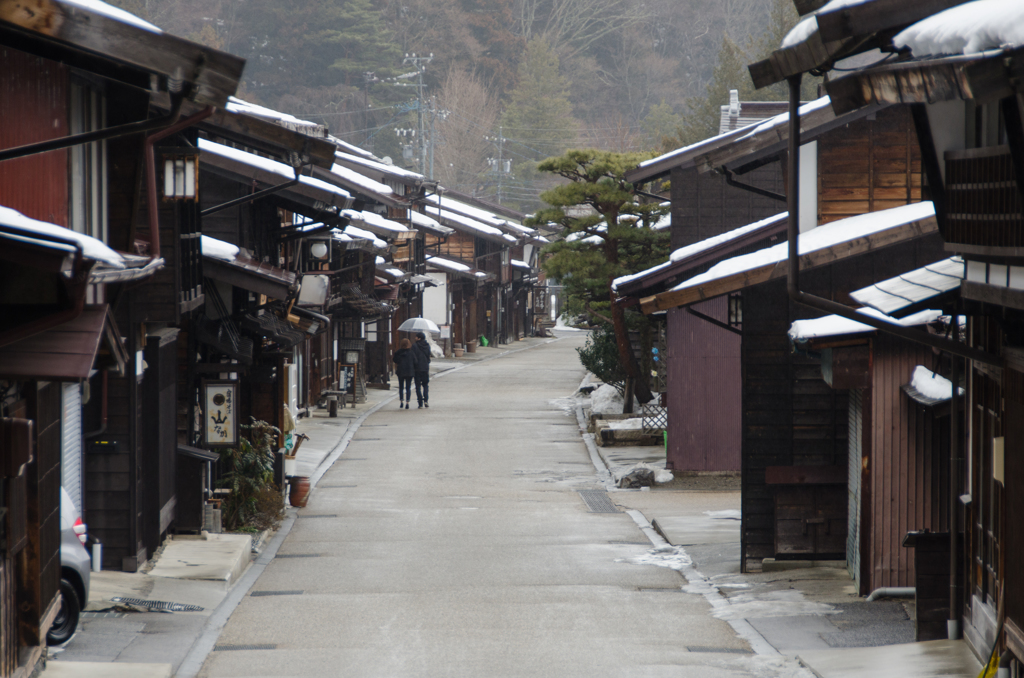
column 351, row 149
column 783, row 119
column 420, row 219
column 374, row 163
column 236, row 105
column 519, row 264
column 92, row 248
column 966, row 29
column 933, row 387
column 817, row 238
column 218, row 249
column 894, row 294
column 356, row 232
column 380, row 261
column 740, row 133
column 268, row 165
column 468, row 222
column 449, row 264
column 115, row 13
column 696, row 248
column 836, row 325
column 359, row 180
column 809, row 24
column 663, row 223
column 374, row 219
column 476, row 213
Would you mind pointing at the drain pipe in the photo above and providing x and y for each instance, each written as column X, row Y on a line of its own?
column 892, row 592
column 827, row 305
column 953, row 621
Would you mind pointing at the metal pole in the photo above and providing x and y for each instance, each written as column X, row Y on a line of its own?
column 953, row 623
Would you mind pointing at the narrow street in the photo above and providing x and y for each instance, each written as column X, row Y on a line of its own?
column 454, row 541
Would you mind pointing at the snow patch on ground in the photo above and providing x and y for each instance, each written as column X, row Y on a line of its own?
column 561, row 326
column 771, row 604
column 734, row 514
column 672, row 557
column 767, row 666
column 661, row 475
column 606, row 400
column 634, row 424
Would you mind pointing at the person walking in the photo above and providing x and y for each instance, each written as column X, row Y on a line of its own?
column 422, row 370
column 407, row 359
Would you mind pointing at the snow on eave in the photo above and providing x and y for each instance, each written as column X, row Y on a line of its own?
column 115, row 13
column 932, row 386
column 374, row 219
column 350, row 148
column 218, row 249
column 361, row 180
column 816, row 239
column 356, row 232
column 782, row 119
column 449, row 264
column 636, row 276
column 969, row 28
column 477, row 213
column 236, row 105
column 809, row 24
column 420, row 219
column 834, row 325
column 383, row 168
column 92, row 248
column 467, row 221
column 268, row 165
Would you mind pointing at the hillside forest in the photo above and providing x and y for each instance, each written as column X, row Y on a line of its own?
column 474, row 93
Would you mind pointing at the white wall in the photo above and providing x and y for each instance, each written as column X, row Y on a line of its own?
column 949, row 124
column 435, row 299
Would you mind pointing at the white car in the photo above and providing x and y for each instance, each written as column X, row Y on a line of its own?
column 75, row 566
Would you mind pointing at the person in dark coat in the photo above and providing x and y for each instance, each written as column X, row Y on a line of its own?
column 422, row 375
column 407, row 359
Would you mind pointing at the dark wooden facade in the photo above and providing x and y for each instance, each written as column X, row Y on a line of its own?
column 791, row 418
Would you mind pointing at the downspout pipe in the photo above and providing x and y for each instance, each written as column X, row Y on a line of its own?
column 953, row 621
column 892, row 592
column 827, row 305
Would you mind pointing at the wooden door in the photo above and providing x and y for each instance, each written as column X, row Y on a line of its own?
column 810, row 520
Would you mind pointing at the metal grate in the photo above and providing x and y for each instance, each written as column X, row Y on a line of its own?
column 257, row 594
column 727, row 650
column 257, row 646
column 598, row 501
column 157, row 605
column 655, row 418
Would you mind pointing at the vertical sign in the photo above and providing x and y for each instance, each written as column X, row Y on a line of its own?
column 220, row 408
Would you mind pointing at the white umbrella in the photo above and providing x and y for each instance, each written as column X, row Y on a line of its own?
column 419, row 325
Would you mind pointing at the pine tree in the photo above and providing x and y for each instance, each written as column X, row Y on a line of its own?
column 539, row 112
column 610, row 239
column 704, row 116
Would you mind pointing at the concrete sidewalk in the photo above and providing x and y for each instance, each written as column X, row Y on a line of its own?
column 810, row 613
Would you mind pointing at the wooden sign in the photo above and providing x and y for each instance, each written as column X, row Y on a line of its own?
column 220, row 411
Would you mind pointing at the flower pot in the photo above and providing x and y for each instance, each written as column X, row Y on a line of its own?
column 458, row 351
column 471, row 346
column 298, row 495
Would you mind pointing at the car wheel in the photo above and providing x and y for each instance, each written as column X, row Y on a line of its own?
column 66, row 622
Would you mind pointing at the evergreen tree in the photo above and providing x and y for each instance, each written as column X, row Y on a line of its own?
column 607, row 234
column 660, row 125
column 704, row 116
column 539, row 112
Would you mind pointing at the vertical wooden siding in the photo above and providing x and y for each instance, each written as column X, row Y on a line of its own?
column 869, row 165
column 704, row 405
column 34, row 107
column 909, row 464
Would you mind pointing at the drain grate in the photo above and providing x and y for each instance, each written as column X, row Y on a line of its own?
column 598, row 501
column 297, row 555
column 258, row 646
column 320, row 515
column 157, row 605
column 257, row 594
column 726, row 650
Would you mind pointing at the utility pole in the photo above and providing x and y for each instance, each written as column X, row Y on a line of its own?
column 420, row 64
column 435, row 113
column 499, row 165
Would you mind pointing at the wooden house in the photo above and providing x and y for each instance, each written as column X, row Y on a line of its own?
column 86, row 71
column 864, row 161
column 967, row 113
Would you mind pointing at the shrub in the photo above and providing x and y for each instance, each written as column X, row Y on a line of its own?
column 250, row 477
column 600, row 355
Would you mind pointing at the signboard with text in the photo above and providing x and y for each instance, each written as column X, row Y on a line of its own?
column 220, row 413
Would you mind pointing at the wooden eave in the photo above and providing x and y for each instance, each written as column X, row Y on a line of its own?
column 984, row 77
column 121, row 51
column 265, row 136
column 812, row 54
column 762, row 274
column 66, row 352
column 678, row 270
column 310, row 200
column 252, row 275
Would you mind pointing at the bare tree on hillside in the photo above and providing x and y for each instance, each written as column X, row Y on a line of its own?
column 460, row 155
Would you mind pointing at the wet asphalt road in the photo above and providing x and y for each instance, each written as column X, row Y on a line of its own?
column 453, row 541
